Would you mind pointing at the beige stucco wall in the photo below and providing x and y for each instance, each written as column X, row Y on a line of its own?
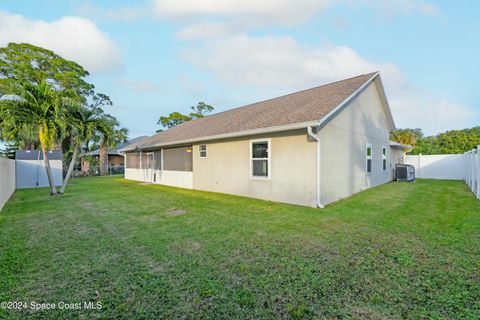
column 7, row 180
column 343, row 148
column 226, row 169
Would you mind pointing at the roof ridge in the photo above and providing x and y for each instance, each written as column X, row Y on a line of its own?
column 270, row 99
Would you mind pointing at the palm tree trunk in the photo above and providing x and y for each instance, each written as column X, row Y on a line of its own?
column 103, row 160
column 49, row 171
column 70, row 169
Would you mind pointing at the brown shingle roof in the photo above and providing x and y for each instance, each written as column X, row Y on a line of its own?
column 301, row 107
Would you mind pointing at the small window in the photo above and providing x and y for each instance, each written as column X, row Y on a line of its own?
column 369, row 158
column 384, row 158
column 203, row 150
column 260, row 159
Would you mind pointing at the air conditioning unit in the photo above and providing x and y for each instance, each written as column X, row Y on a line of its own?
column 404, row 172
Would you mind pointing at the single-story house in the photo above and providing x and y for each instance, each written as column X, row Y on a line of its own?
column 115, row 159
column 310, row 148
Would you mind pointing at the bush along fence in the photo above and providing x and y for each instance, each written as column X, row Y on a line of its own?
column 472, row 170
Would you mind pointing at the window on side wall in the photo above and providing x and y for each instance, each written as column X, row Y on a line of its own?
column 369, row 153
column 202, row 150
column 260, row 159
column 384, row 158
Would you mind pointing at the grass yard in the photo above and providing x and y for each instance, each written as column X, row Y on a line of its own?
column 149, row 252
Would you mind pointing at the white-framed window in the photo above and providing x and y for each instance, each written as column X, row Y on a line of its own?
column 384, row 159
column 260, row 159
column 369, row 154
column 202, row 150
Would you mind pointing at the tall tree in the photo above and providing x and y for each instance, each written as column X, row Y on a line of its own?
column 22, row 62
column 94, row 104
column 82, row 125
column 38, row 107
column 175, row 118
column 200, row 110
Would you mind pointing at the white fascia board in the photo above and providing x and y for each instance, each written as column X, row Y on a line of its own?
column 384, row 99
column 322, row 122
column 399, row 145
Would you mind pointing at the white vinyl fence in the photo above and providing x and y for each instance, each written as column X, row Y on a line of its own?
column 7, row 180
column 442, row 166
column 32, row 173
column 472, row 170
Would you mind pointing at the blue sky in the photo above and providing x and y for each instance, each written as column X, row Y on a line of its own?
column 159, row 56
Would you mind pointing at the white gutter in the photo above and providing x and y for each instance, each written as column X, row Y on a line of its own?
column 314, row 136
column 293, row 126
column 406, row 148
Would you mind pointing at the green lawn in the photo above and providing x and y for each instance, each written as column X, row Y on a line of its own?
column 402, row 250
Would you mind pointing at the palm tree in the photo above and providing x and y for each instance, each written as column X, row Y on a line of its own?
column 83, row 124
column 110, row 136
column 37, row 108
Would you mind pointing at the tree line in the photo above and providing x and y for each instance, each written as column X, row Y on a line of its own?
column 46, row 103
column 449, row 142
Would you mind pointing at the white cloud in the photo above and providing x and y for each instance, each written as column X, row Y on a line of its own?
column 280, row 12
column 140, row 85
column 125, row 13
column 73, row 38
column 393, row 7
column 421, row 109
column 279, row 62
column 204, row 30
column 283, row 64
column 249, row 11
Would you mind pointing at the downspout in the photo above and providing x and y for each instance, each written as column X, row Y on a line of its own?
column 314, row 136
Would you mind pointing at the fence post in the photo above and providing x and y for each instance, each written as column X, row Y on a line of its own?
column 474, row 172
column 478, row 171
column 419, row 164
column 470, row 169
column 472, row 163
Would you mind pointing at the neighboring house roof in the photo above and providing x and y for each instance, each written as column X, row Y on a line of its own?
column 37, row 155
column 293, row 111
column 115, row 151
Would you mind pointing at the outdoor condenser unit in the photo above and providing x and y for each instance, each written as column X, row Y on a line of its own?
column 404, row 172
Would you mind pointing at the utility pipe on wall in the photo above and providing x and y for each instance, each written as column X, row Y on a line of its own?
column 314, row 136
